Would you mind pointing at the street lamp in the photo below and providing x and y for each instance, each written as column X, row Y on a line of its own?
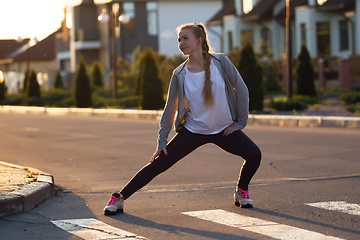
column 30, row 43
column 113, row 17
column 288, row 51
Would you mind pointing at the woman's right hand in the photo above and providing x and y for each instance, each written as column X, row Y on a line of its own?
column 157, row 153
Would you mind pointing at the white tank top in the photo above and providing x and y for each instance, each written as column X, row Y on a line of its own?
column 201, row 119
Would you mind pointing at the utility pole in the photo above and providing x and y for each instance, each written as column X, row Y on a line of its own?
column 288, row 51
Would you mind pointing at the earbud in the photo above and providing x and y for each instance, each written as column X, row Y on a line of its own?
column 198, row 42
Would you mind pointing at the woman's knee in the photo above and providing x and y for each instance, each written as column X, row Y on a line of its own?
column 255, row 156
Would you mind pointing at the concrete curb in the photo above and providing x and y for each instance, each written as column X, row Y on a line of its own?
column 254, row 119
column 30, row 195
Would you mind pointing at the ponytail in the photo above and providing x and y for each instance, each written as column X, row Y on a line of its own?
column 199, row 31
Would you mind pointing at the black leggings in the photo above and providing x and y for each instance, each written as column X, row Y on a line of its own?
column 185, row 142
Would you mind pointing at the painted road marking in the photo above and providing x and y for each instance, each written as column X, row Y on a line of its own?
column 90, row 228
column 341, row 206
column 267, row 228
column 30, row 129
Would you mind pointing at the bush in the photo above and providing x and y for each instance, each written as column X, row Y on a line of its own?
column 82, row 90
column 33, row 90
column 16, row 100
column 151, row 93
column 306, row 99
column 126, row 102
column 305, row 79
column 354, row 108
column 251, row 72
column 56, row 97
column 58, row 84
column 350, row 97
column 287, row 105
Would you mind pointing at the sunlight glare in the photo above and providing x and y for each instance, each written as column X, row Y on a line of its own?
column 1, row 76
column 247, row 6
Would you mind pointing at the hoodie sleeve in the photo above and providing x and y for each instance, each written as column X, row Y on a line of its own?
column 241, row 102
column 168, row 116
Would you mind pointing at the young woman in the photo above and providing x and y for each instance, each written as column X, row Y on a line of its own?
column 212, row 105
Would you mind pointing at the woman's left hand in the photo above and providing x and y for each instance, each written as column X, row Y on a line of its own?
column 230, row 129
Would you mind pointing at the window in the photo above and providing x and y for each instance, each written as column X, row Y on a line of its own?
column 247, row 35
column 151, row 9
column 129, row 10
column 323, row 38
column 303, row 33
column 230, row 40
column 344, row 35
column 247, row 6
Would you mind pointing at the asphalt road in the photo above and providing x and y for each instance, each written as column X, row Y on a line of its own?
column 91, row 157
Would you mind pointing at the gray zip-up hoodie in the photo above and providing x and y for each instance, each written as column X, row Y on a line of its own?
column 236, row 92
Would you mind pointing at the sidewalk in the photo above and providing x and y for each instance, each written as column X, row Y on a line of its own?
column 22, row 188
column 323, row 117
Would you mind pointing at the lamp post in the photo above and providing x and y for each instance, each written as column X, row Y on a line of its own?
column 288, row 53
column 104, row 17
column 30, row 43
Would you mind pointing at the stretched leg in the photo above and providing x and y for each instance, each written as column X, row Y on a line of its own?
column 181, row 145
column 239, row 144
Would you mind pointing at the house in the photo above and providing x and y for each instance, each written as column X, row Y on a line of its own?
column 19, row 56
column 150, row 23
column 329, row 28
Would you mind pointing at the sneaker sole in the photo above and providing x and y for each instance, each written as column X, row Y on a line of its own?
column 243, row 206
column 107, row 212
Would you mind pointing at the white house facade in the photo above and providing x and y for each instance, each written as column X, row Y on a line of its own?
column 327, row 27
column 174, row 13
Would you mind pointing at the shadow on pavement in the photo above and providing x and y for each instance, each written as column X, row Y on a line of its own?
column 130, row 219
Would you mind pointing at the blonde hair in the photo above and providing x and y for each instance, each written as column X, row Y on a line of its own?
column 199, row 31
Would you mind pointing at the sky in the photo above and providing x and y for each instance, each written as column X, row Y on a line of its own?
column 31, row 18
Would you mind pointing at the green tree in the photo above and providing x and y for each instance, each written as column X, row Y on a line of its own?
column 305, row 80
column 135, row 66
column 167, row 66
column 82, row 90
column 251, row 72
column 96, row 74
column 126, row 75
column 151, row 93
column 58, row 80
column 271, row 82
column 33, row 90
column 25, row 81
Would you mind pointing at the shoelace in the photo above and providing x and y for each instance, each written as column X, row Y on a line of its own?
column 113, row 200
column 244, row 194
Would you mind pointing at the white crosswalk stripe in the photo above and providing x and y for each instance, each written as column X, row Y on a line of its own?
column 341, row 206
column 267, row 228
column 90, row 228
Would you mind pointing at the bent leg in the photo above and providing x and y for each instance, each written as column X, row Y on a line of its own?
column 180, row 146
column 241, row 145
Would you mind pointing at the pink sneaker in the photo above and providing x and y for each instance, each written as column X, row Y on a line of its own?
column 115, row 205
column 242, row 199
